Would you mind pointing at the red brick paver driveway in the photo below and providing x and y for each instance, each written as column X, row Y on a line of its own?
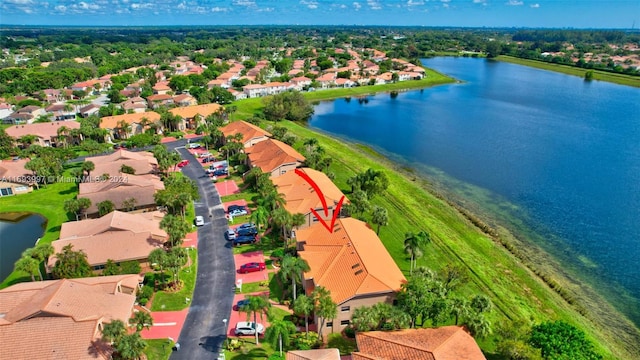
column 254, row 256
column 166, row 324
column 191, row 240
column 227, row 187
column 237, row 316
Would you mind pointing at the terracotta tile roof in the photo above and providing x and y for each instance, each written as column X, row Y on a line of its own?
column 159, row 97
column 315, row 354
column 183, row 97
column 161, row 85
column 445, row 343
column 111, row 122
column 143, row 162
column 41, row 130
column 300, row 196
column 118, row 246
column 115, row 221
column 271, row 154
column 14, row 169
column 189, row 112
column 139, row 187
column 63, row 315
column 350, row 261
column 248, row 131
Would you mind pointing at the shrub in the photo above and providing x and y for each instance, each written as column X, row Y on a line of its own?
column 175, row 134
column 349, row 332
column 304, row 341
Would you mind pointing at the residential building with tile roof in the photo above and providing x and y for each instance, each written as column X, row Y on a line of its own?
column 352, row 263
column 251, row 134
column 274, row 157
column 314, row 354
column 135, row 120
column 119, row 189
column 63, row 319
column 46, row 133
column 301, row 197
column 188, row 114
column 14, row 178
column 142, row 162
column 444, row 343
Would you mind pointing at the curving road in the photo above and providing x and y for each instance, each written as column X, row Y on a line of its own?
column 204, row 330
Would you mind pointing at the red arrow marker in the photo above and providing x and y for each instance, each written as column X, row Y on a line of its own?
column 336, row 212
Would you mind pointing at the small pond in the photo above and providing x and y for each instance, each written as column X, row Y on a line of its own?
column 18, row 232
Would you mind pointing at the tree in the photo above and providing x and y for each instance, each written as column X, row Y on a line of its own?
column 88, row 166
column 493, row 49
column 380, row 217
column 141, row 320
column 158, row 257
column 324, row 306
column 414, row 245
column 418, row 294
column 292, row 268
column 131, row 347
column 588, row 75
column 260, row 216
column 111, row 268
column 381, row 316
column 304, row 305
column 176, row 227
column 359, row 202
column 71, row 264
column 279, row 333
column 130, row 204
column 458, row 308
column 42, row 252
column 105, row 207
column 126, row 169
column 290, row 105
column 281, row 219
column 479, row 326
column 480, row 304
column 560, row 340
column 256, row 305
column 114, row 331
column 29, row 265
column 123, row 129
column 62, row 132
column 176, row 259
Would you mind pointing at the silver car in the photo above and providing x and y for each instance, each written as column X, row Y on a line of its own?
column 248, row 328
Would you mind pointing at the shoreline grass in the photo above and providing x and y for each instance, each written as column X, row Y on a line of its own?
column 621, row 79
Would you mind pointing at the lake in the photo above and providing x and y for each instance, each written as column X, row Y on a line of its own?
column 560, row 156
column 18, row 232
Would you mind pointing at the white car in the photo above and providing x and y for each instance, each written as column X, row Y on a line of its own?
column 194, row 146
column 248, row 328
column 230, row 234
column 199, row 220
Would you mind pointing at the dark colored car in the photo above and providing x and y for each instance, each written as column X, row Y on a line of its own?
column 251, row 267
column 218, row 172
column 236, row 207
column 246, row 225
column 208, row 159
column 240, row 304
column 248, row 231
column 241, row 240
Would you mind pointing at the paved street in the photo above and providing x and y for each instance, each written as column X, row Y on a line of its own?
column 204, row 331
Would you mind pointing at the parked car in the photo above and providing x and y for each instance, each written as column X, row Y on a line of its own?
column 183, row 163
column 248, row 328
column 199, row 220
column 247, row 231
column 238, row 212
column 235, row 206
column 245, row 239
column 219, row 172
column 230, row 234
column 194, row 146
column 251, row 267
column 246, row 225
column 240, row 304
column 208, row 159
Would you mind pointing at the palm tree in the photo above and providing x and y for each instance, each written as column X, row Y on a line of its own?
column 124, row 128
column 414, row 245
column 112, row 332
column 256, row 305
column 304, row 305
column 141, row 320
column 298, row 220
column 29, row 265
column 273, row 200
column 159, row 257
column 292, row 268
column 324, row 306
column 42, row 252
column 88, row 166
column 458, row 308
column 478, row 325
column 282, row 219
column 260, row 216
column 176, row 227
column 131, row 347
column 280, row 332
column 63, row 131
column 380, row 217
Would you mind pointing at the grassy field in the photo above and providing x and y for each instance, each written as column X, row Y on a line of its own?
column 158, row 349
column 47, row 201
column 621, row 79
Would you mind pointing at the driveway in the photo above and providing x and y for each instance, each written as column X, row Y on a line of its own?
column 204, row 331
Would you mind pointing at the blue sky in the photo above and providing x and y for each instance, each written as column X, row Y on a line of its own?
column 468, row 13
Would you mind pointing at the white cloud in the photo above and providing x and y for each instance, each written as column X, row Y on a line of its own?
column 61, row 8
column 415, row 3
column 267, row 9
column 219, row 9
column 483, row 2
column 182, row 5
column 534, row 6
column 374, row 4
column 356, row 5
column 244, row 3
column 311, row 4
column 515, row 3
column 18, row 2
column 137, row 6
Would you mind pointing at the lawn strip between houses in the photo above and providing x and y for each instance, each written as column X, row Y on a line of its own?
column 158, row 349
column 515, row 291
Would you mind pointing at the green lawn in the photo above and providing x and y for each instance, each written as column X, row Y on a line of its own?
column 621, row 79
column 158, row 349
column 173, row 301
column 47, row 201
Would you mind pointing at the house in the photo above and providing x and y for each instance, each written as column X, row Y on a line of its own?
column 188, row 114
column 50, row 96
column 155, row 101
column 5, row 110
column 223, row 83
column 300, row 82
column 345, row 83
column 91, row 109
column 65, row 316
column 352, row 263
column 136, row 122
column 26, row 115
column 185, row 100
column 444, row 343
column 327, row 80
column 117, row 236
column 142, row 162
column 274, row 157
column 251, row 134
column 120, row 189
column 14, row 178
column 135, row 104
column 46, row 133
column 161, row 88
column 61, row 112
column 301, row 196
column 272, row 88
column 238, row 95
column 314, row 354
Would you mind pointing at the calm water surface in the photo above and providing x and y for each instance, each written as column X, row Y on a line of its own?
column 564, row 152
column 16, row 235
